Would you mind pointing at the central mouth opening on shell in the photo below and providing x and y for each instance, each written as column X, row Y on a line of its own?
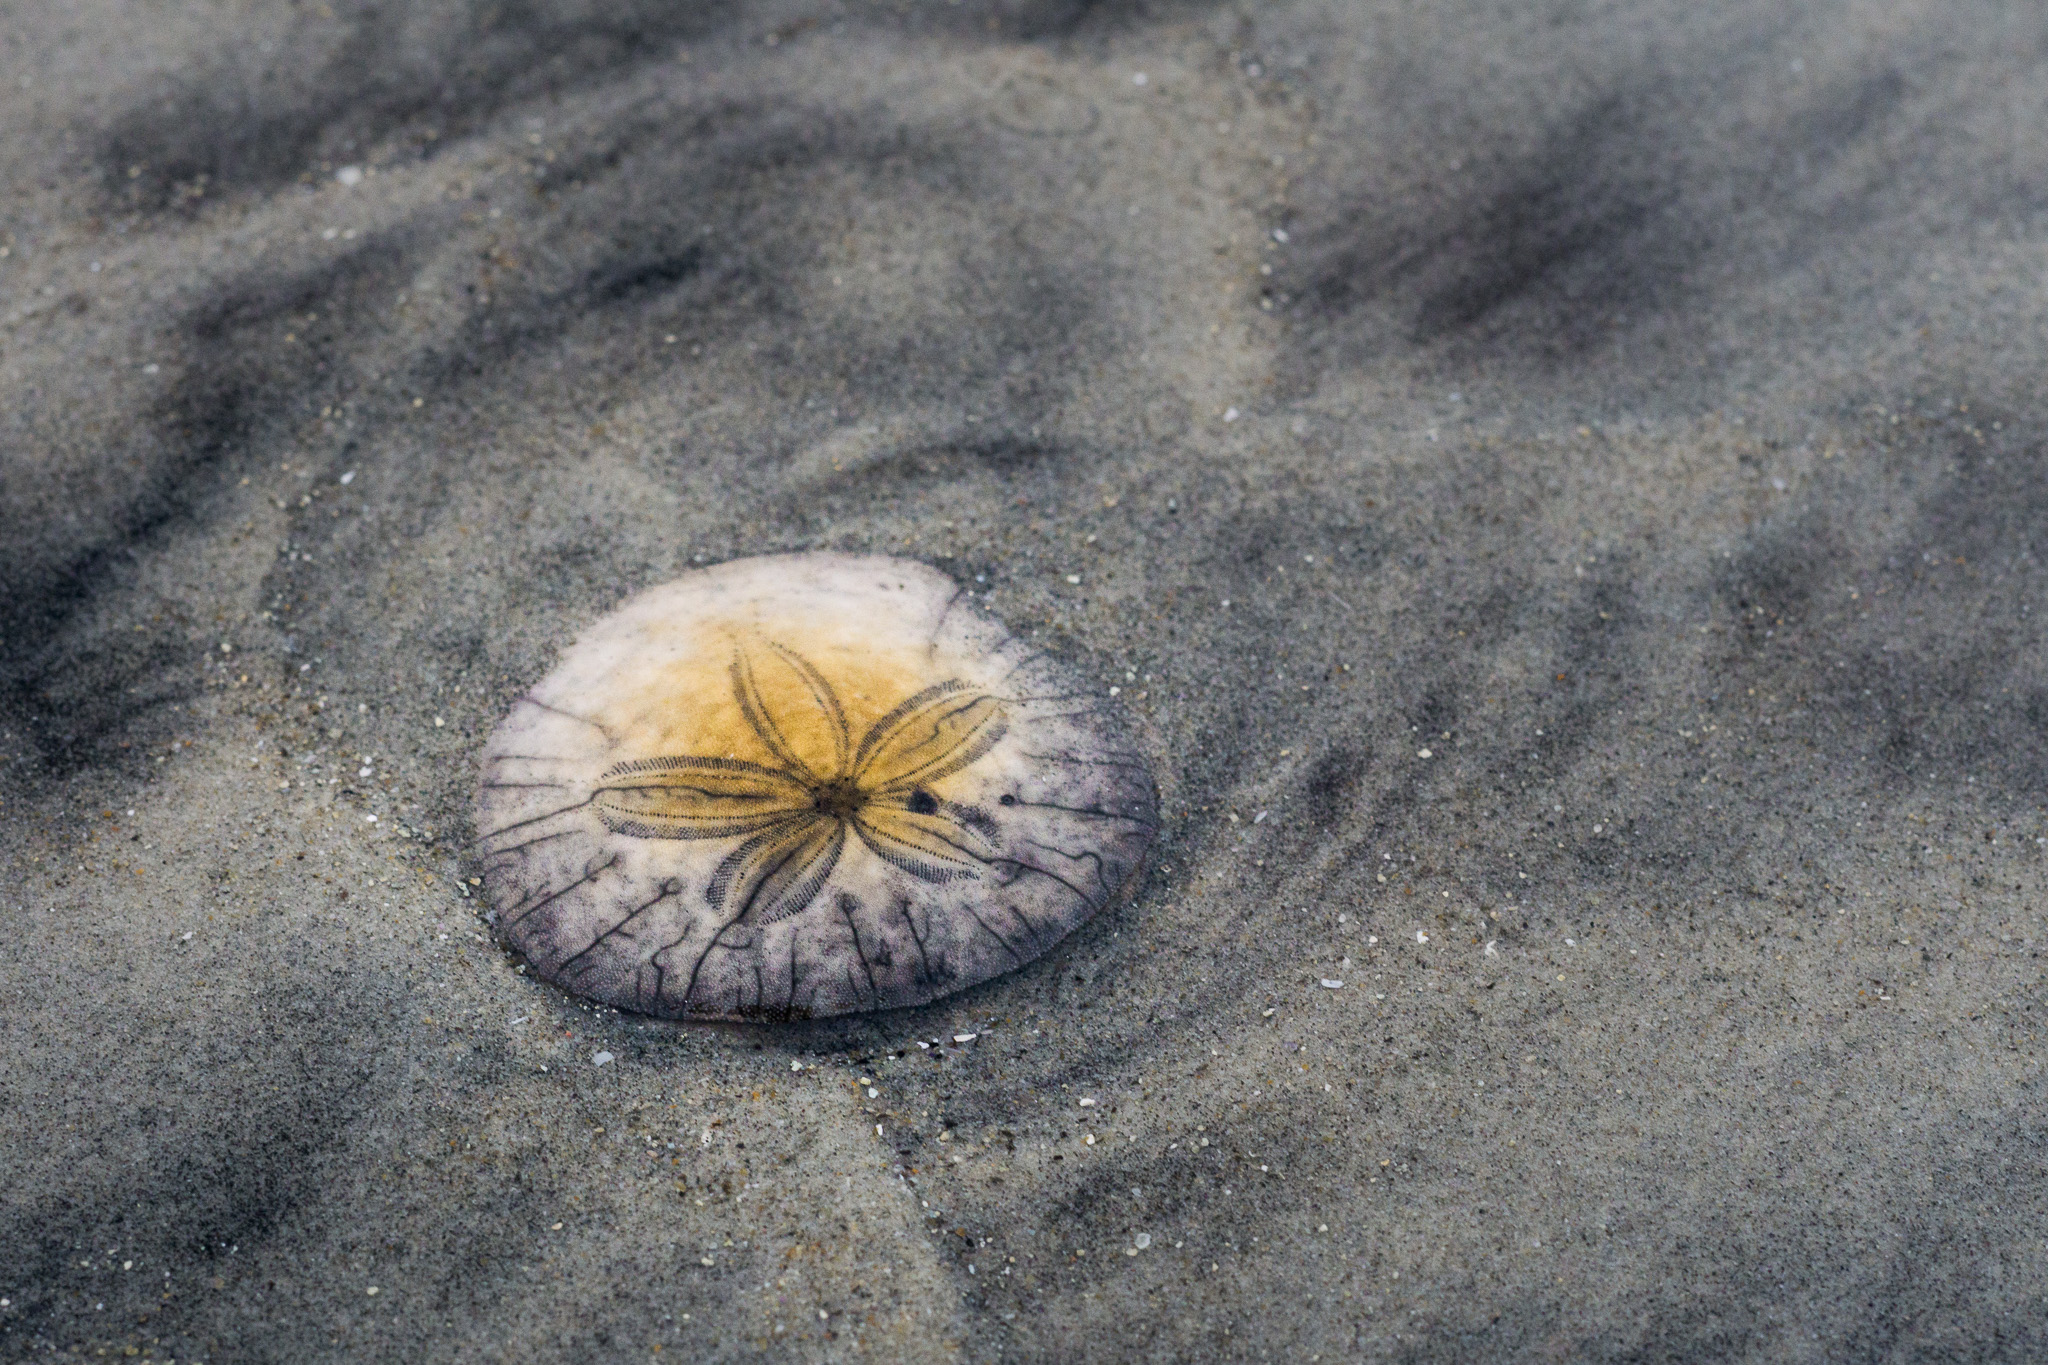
column 839, row 798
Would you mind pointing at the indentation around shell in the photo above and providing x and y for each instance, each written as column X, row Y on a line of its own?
column 804, row 785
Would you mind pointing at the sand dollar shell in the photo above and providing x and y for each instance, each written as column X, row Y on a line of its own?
column 804, row 785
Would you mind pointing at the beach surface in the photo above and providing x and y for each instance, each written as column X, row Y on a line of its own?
column 1557, row 488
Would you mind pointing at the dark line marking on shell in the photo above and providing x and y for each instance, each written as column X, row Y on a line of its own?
column 789, row 1001
column 690, row 986
column 931, row 644
column 521, row 824
column 1083, row 810
column 975, row 915
column 858, row 951
column 1085, row 856
column 1029, row 927
column 669, row 888
column 532, row 700
column 923, row 958
column 511, row 849
column 1084, row 897
column 524, row 901
column 590, row 875
column 1031, row 656
column 1103, row 761
column 661, row 972
column 1065, row 715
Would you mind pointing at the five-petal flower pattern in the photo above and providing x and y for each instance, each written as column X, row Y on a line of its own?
column 797, row 786
column 792, row 816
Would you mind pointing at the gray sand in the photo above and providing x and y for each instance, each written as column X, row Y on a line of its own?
column 1553, row 481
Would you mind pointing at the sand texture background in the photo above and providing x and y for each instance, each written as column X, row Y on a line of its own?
column 1559, row 484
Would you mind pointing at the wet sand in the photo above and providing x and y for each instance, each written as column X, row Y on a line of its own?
column 1556, row 486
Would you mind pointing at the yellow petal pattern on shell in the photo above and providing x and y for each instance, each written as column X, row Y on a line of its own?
column 925, row 846
column 797, row 813
column 783, row 698
column 696, row 798
column 932, row 735
column 776, row 873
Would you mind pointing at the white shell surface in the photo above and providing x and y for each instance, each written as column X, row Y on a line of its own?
column 804, row 785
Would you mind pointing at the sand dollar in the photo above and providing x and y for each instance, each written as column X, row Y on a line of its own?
column 804, row 785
